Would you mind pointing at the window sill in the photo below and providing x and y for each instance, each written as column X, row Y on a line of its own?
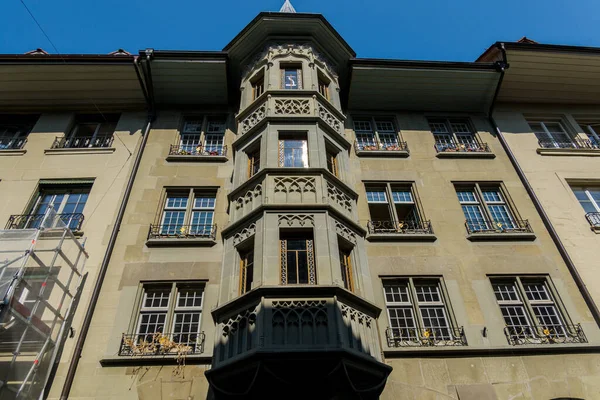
column 383, row 153
column 86, row 150
column 154, row 360
column 176, row 242
column 568, row 152
column 483, row 237
column 401, row 237
column 12, row 152
column 595, row 229
column 465, row 154
column 190, row 158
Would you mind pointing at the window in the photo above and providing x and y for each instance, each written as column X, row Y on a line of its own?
column 297, row 259
column 187, row 213
column 253, row 161
column 332, row 160
column 592, row 131
column 258, row 85
column 486, row 209
column 90, row 130
column 529, row 310
column 293, row 151
column 173, row 310
column 393, row 209
column 346, row 266
column 418, row 313
column 383, row 137
column 455, row 135
column 552, row 134
column 291, row 77
column 589, row 198
column 14, row 130
column 68, row 202
column 201, row 136
column 323, row 86
column 246, row 269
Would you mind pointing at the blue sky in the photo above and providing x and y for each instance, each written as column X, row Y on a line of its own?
column 456, row 30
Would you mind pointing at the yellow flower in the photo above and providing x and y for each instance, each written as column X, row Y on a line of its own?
column 426, row 333
column 546, row 331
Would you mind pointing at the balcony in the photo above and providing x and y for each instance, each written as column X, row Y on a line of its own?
column 423, row 337
column 301, row 105
column 594, row 220
column 8, row 144
column 536, row 334
column 197, row 152
column 377, row 148
column 499, row 230
column 162, row 344
column 397, row 230
column 447, row 148
column 181, row 235
column 36, row 221
column 82, row 142
column 275, row 337
column 570, row 146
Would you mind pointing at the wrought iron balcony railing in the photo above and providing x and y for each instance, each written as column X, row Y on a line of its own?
column 451, row 146
column 36, row 221
column 80, row 142
column 197, row 150
column 12, row 144
column 414, row 337
column 161, row 344
column 177, row 231
column 594, row 219
column 573, row 143
column 539, row 334
column 508, row 227
column 400, row 227
column 376, row 145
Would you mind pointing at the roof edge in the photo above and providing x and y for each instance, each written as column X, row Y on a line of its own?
column 66, row 59
column 187, row 54
column 421, row 64
column 559, row 48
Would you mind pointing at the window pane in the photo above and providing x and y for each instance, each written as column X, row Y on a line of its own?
column 500, row 215
column 461, row 127
column 474, row 217
column 548, row 318
column 363, row 126
column 506, row 292
column 201, row 222
column 402, row 323
column 151, row 323
column 515, row 317
column 190, row 297
column 385, row 126
column 434, row 319
column 156, row 298
column 492, row 195
column 193, row 126
column 376, row 196
column 536, row 291
column 291, row 79
column 466, row 196
column 177, row 202
column 186, row 327
column 396, row 293
column 427, row 293
column 172, row 222
column 204, row 202
column 295, row 153
column 402, row 196
column 438, row 127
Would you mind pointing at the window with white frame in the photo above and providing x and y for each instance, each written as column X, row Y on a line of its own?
column 173, row 310
column 528, row 307
column 201, row 136
column 92, row 130
column 454, row 134
column 376, row 134
column 592, row 131
column 14, row 130
column 189, row 139
column 417, row 310
column 552, row 134
column 589, row 198
column 485, row 208
column 188, row 213
column 67, row 200
column 393, row 208
column 215, row 136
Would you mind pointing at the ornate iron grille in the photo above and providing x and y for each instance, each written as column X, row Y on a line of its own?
column 405, row 227
column 177, row 231
column 161, row 344
column 446, row 145
column 414, row 337
column 539, row 334
column 79, row 142
column 484, row 226
column 197, row 150
column 34, row 221
column 376, row 145
column 574, row 143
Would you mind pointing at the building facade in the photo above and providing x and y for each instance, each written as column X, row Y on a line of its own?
column 304, row 223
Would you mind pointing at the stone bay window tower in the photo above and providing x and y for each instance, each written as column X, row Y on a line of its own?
column 295, row 299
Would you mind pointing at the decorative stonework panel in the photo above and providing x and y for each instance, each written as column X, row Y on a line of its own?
column 338, row 197
column 237, row 334
column 361, row 329
column 248, row 201
column 294, row 189
column 292, row 107
column 300, row 322
column 297, row 221
column 345, row 232
column 330, row 119
column 253, row 119
column 244, row 234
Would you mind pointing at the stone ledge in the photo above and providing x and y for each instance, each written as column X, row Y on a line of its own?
column 484, row 237
column 595, row 229
column 12, row 152
column 465, row 154
column 111, row 361
column 86, row 150
column 190, row 158
column 176, row 242
column 491, row 351
column 401, row 237
column 568, row 152
column 383, row 153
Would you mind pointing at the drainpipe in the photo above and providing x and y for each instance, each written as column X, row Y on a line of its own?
column 64, row 395
column 536, row 202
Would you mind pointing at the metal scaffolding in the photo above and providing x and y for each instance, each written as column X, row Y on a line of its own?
column 41, row 278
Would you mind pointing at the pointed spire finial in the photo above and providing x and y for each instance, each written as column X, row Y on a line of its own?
column 287, row 7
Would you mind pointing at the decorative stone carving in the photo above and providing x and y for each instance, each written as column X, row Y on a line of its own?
column 353, row 314
column 291, row 184
column 244, row 234
column 292, row 107
column 237, row 334
column 237, row 322
column 249, row 197
column 300, row 322
column 339, row 197
column 330, row 119
column 345, row 232
column 254, row 118
column 297, row 220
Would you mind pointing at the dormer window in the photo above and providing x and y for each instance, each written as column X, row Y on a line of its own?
column 291, row 77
